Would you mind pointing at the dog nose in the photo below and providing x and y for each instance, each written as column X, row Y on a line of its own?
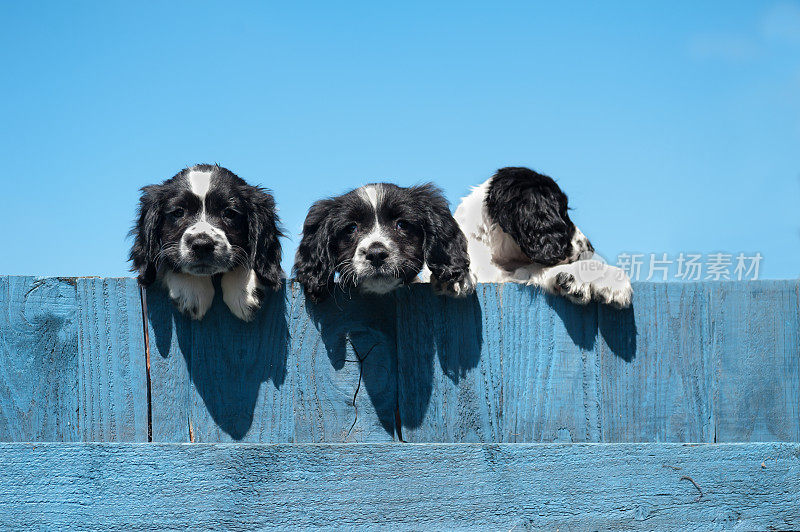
column 202, row 245
column 377, row 254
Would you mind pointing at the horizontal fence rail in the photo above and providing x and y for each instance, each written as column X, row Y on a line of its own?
column 389, row 486
column 84, row 360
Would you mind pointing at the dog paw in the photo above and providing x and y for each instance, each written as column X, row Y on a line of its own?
column 192, row 294
column 242, row 292
column 460, row 288
column 614, row 288
column 567, row 285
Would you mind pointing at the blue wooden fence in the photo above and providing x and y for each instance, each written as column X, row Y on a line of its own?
column 91, row 368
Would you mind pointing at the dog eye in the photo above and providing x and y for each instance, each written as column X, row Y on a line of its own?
column 403, row 225
column 176, row 214
column 230, row 213
column 351, row 228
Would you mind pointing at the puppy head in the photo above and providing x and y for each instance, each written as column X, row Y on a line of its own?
column 203, row 221
column 531, row 218
column 377, row 238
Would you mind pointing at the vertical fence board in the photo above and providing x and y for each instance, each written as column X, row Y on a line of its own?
column 507, row 365
column 551, row 384
column 755, row 337
column 447, row 389
column 344, row 356
column 112, row 377
column 241, row 389
column 170, row 345
column 39, row 360
column 661, row 387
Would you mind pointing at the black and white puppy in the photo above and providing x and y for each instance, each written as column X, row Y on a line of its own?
column 379, row 237
column 518, row 229
column 202, row 222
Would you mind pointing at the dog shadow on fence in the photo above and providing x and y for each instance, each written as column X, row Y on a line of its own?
column 359, row 336
column 227, row 360
column 406, row 351
column 439, row 344
column 400, row 342
column 587, row 324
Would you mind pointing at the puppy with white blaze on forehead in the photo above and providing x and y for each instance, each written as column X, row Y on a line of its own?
column 379, row 237
column 202, row 223
column 518, row 230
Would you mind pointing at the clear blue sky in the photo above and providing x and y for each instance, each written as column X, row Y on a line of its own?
column 672, row 128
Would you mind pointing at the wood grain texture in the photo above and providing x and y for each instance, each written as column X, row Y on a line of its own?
column 405, row 486
column 690, row 362
column 170, row 343
column 757, row 360
column 447, row 390
column 112, row 379
column 510, row 364
column 292, row 375
column 551, row 381
column 344, row 357
column 240, row 388
column 697, row 362
column 664, row 391
column 38, row 359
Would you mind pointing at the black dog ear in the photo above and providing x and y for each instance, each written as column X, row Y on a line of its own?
column 264, row 234
column 314, row 265
column 445, row 244
column 532, row 209
column 146, row 233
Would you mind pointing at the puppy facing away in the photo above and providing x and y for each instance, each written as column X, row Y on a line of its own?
column 379, row 237
column 206, row 221
column 518, row 229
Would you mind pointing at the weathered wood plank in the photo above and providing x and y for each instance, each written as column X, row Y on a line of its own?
column 240, row 387
column 38, row 359
column 551, row 384
column 756, row 328
column 510, row 364
column 112, row 376
column 420, row 487
column 169, row 335
column 657, row 368
column 446, row 390
column 345, row 361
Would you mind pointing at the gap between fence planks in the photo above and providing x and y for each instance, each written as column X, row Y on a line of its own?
column 704, row 362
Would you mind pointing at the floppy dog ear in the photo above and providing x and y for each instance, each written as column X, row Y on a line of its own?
column 146, row 233
column 314, row 264
column 445, row 244
column 532, row 209
column 264, row 233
